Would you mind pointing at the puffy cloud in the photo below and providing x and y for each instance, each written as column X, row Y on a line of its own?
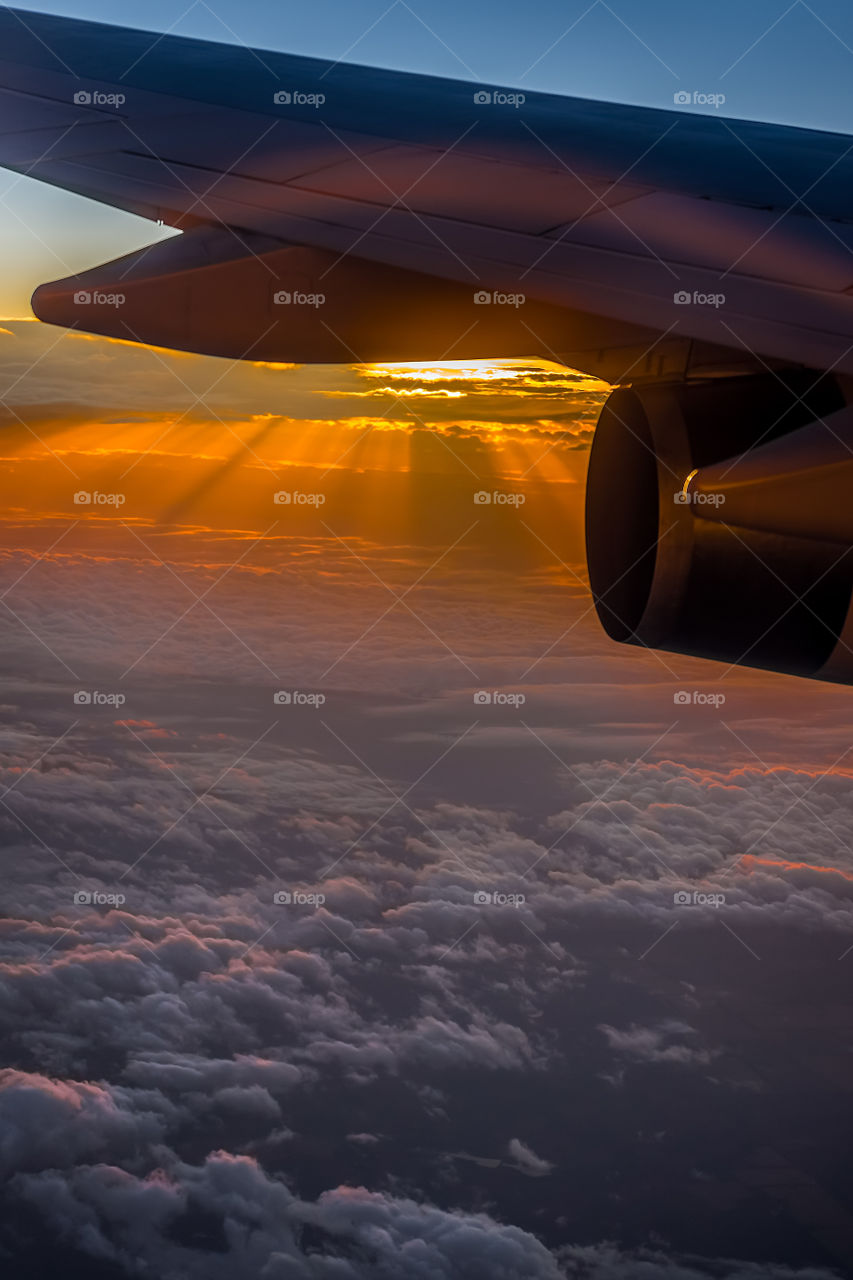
column 111, row 1214
column 354, row 1234
column 211, row 1015
column 46, row 1123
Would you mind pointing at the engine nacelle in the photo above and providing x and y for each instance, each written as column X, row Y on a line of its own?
column 719, row 521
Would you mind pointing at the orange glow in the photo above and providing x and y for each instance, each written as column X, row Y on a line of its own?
column 750, row 861
column 443, row 424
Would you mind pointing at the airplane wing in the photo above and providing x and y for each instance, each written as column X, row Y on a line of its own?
column 339, row 213
column 333, row 212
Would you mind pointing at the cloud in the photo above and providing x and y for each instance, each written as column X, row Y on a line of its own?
column 130, row 1220
column 356, row 1234
column 506, row 399
column 609, row 1262
column 656, row 1044
column 46, row 1123
column 202, row 1013
column 527, row 1159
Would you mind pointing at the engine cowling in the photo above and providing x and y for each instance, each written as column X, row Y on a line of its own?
column 719, row 520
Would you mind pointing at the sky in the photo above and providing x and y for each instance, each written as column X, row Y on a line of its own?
column 368, row 912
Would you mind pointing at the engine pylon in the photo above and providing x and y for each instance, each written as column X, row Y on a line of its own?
column 800, row 485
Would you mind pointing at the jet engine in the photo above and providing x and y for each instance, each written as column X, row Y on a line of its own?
column 719, row 520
